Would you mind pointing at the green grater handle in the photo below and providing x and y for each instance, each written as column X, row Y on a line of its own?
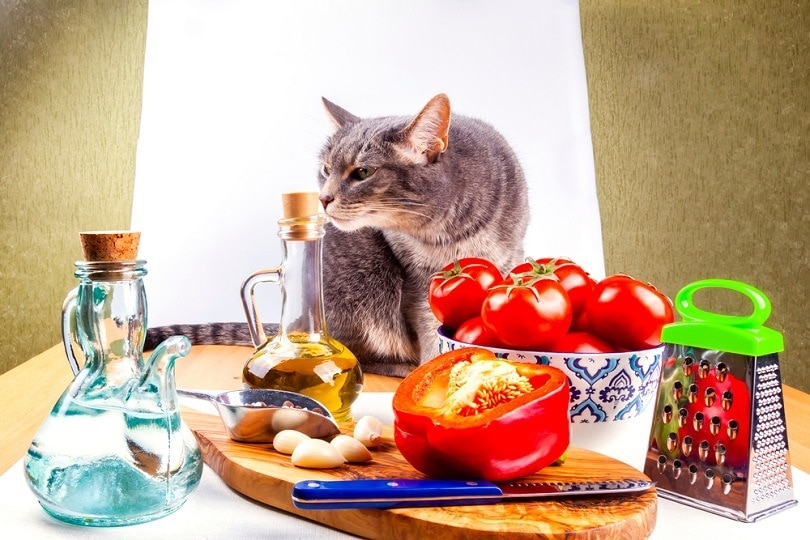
column 690, row 312
column 745, row 335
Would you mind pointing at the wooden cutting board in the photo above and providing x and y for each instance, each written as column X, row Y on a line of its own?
column 260, row 473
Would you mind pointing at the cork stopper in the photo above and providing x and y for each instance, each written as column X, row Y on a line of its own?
column 110, row 245
column 300, row 204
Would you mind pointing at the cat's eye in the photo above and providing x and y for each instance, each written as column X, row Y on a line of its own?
column 361, row 173
column 327, row 170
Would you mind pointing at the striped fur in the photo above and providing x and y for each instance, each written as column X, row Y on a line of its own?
column 231, row 333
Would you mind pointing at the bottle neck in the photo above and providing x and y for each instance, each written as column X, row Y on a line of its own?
column 110, row 271
column 111, row 316
column 302, row 311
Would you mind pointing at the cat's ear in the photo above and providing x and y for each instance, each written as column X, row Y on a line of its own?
column 339, row 115
column 425, row 138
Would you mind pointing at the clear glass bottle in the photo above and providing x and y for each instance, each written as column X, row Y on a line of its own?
column 302, row 357
column 114, row 450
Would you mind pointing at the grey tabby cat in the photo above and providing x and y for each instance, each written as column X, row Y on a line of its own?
column 405, row 196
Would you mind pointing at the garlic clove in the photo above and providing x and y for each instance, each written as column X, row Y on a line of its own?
column 317, row 454
column 368, row 431
column 353, row 450
column 287, row 440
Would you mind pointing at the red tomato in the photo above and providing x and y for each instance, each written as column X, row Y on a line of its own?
column 580, row 324
column 576, row 281
column 457, row 292
column 581, row 342
column 628, row 312
column 476, row 333
column 530, row 314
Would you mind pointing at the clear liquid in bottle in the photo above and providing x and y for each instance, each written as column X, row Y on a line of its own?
column 92, row 464
column 113, row 450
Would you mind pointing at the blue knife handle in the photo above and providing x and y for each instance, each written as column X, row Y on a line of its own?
column 392, row 493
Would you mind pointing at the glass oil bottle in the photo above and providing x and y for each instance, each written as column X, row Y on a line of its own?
column 302, row 357
column 114, row 450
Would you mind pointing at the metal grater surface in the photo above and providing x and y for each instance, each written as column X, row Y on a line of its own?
column 770, row 480
column 719, row 440
column 742, row 470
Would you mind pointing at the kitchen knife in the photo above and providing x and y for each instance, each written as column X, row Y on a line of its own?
column 401, row 493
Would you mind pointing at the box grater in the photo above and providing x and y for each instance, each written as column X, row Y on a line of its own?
column 718, row 440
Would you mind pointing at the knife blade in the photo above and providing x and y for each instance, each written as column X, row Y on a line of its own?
column 402, row 492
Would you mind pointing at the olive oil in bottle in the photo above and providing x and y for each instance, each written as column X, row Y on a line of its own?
column 303, row 357
column 326, row 372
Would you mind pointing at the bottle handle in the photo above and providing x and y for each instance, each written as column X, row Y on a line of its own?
column 70, row 330
column 270, row 275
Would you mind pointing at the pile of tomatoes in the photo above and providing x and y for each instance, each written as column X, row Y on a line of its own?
column 549, row 304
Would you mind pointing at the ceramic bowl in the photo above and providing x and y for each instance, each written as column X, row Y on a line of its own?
column 604, row 387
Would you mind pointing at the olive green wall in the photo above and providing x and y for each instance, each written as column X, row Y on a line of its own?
column 70, row 93
column 699, row 117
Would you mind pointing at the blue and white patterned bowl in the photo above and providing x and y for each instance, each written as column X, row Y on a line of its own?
column 604, row 387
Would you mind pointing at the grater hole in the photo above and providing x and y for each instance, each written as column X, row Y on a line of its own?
column 727, row 400
column 727, row 480
column 709, row 396
column 677, row 468
column 703, row 450
column 692, row 395
column 677, row 390
column 709, row 473
column 666, row 414
column 720, row 454
column 732, row 429
column 688, row 365
column 672, row 442
column 697, row 421
column 686, row 446
column 703, row 369
column 693, row 473
column 714, row 425
column 720, row 372
column 682, row 415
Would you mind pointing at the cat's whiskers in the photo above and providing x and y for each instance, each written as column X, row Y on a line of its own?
column 396, row 210
column 380, row 217
column 413, row 212
column 403, row 202
column 380, row 209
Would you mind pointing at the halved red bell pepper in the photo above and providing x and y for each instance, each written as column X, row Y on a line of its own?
column 443, row 438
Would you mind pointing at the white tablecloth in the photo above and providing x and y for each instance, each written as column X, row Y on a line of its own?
column 216, row 511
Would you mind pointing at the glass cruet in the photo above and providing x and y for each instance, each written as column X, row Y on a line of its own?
column 302, row 357
column 114, row 450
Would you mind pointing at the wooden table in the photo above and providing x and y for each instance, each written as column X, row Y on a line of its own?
column 29, row 391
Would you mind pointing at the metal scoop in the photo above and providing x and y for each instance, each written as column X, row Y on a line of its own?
column 257, row 415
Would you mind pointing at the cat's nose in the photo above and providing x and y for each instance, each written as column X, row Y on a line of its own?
column 325, row 200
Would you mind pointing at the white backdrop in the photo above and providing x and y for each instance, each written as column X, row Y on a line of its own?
column 232, row 117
